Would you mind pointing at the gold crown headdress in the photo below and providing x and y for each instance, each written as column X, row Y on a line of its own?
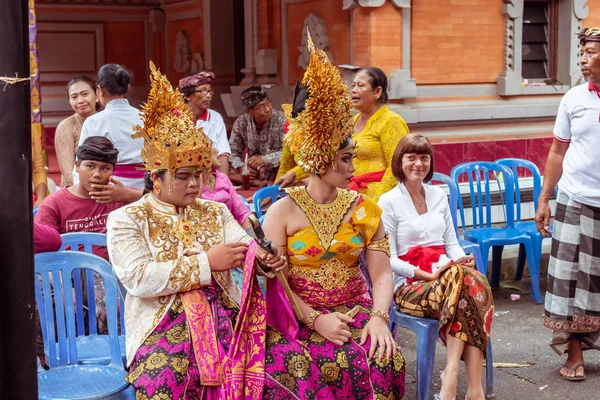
column 171, row 140
column 317, row 132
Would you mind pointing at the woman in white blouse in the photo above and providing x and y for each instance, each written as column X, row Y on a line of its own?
column 116, row 123
column 433, row 278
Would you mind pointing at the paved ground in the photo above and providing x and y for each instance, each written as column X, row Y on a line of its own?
column 518, row 337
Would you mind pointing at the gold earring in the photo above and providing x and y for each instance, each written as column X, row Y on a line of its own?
column 157, row 187
column 335, row 165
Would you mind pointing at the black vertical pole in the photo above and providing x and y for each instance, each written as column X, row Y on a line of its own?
column 18, row 372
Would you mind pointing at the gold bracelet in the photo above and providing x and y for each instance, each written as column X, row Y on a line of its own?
column 381, row 313
column 310, row 321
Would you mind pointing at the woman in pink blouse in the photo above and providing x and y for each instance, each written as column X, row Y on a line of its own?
column 217, row 187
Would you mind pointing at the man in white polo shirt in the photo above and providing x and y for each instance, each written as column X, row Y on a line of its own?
column 572, row 307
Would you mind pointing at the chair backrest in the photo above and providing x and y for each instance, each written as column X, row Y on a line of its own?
column 57, row 305
column 245, row 201
column 478, row 174
column 514, row 164
column 453, row 199
column 85, row 241
column 271, row 192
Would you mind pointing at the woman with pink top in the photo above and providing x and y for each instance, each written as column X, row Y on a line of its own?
column 217, row 187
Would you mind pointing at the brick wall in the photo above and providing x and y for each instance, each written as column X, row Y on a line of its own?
column 338, row 31
column 378, row 37
column 457, row 41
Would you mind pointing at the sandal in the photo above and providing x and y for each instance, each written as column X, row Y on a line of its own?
column 574, row 378
column 437, row 397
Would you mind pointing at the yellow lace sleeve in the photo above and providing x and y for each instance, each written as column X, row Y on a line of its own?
column 288, row 163
column 394, row 130
column 366, row 217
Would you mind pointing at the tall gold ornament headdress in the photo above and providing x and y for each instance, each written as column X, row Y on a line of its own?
column 171, row 140
column 317, row 132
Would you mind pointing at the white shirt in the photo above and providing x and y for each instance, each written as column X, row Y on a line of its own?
column 116, row 123
column 578, row 123
column 214, row 128
column 407, row 229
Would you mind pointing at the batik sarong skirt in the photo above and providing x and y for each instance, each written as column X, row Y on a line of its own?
column 460, row 299
column 572, row 305
column 314, row 368
column 165, row 365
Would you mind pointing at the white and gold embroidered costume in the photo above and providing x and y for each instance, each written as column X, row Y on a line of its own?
column 154, row 265
column 157, row 250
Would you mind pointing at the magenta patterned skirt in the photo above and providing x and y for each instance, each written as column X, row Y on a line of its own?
column 314, row 368
column 165, row 365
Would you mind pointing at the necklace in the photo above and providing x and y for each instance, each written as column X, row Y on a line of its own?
column 416, row 202
column 324, row 218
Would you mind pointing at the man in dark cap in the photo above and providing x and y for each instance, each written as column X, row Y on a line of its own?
column 572, row 307
column 260, row 132
column 73, row 209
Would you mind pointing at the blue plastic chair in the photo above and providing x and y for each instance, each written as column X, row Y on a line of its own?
column 92, row 348
column 467, row 246
column 526, row 226
column 245, row 202
column 482, row 232
column 66, row 378
column 35, row 210
column 426, row 332
column 271, row 192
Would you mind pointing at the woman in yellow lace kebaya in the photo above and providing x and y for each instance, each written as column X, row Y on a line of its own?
column 191, row 334
column 325, row 230
column 377, row 131
column 290, row 173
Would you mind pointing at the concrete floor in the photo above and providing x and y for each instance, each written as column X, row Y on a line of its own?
column 518, row 337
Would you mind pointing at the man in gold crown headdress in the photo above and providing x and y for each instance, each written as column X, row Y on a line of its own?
column 325, row 231
column 572, row 307
column 173, row 253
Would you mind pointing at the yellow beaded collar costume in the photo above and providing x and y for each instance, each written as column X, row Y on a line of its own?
column 171, row 140
column 316, row 133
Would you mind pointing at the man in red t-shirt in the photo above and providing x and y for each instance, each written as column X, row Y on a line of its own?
column 73, row 209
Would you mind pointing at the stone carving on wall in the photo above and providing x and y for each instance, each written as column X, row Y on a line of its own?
column 183, row 52
column 349, row 4
column 318, row 31
column 197, row 63
column 580, row 9
column 103, row 2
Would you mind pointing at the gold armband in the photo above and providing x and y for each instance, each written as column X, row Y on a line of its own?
column 381, row 313
column 380, row 245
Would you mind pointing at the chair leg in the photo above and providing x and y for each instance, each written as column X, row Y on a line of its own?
column 489, row 371
column 426, row 341
column 534, row 271
column 496, row 264
column 477, row 254
column 484, row 251
column 520, row 263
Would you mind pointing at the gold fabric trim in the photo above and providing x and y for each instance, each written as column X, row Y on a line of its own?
column 201, row 219
column 325, row 218
column 332, row 274
column 380, row 245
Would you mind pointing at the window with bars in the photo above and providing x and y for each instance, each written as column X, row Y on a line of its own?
column 540, row 30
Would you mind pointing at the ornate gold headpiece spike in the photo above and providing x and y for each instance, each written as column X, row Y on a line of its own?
column 317, row 132
column 171, row 140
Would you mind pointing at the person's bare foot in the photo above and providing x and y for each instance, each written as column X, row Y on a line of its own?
column 449, row 382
